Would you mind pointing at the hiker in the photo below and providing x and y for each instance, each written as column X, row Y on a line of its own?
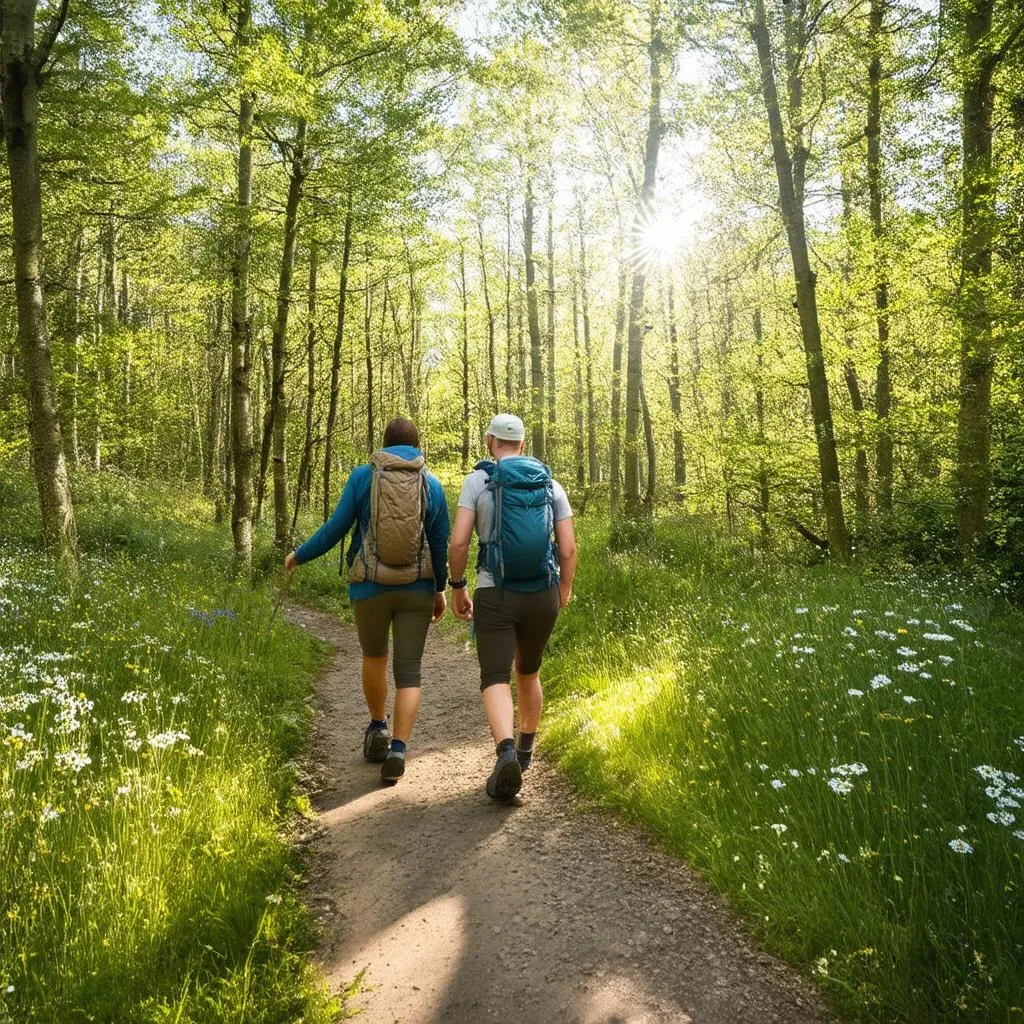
column 397, row 561
column 524, row 576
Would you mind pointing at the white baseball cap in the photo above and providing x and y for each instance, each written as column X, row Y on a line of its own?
column 507, row 427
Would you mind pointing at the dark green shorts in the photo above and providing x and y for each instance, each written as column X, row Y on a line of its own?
column 410, row 611
column 512, row 625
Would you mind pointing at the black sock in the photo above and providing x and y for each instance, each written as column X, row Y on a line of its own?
column 526, row 741
column 379, row 724
column 397, row 747
column 509, row 744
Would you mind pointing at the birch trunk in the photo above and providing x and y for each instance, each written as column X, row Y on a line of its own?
column 339, row 335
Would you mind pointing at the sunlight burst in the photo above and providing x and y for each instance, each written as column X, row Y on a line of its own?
column 656, row 238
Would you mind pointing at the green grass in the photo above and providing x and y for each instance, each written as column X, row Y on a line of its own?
column 706, row 693
column 152, row 715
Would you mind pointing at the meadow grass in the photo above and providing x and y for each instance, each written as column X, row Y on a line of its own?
column 840, row 752
column 152, row 716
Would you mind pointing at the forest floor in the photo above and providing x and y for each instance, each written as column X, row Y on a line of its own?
column 457, row 909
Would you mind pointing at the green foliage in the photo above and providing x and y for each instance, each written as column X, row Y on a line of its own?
column 813, row 740
column 153, row 714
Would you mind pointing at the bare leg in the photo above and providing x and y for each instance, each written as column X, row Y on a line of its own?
column 407, row 704
column 531, row 700
column 498, row 708
column 375, row 686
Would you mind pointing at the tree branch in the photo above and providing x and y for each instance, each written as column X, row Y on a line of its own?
column 50, row 37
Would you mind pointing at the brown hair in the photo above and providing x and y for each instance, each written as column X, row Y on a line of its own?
column 401, row 431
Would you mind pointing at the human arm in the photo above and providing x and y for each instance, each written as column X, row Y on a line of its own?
column 333, row 530
column 437, row 534
column 458, row 557
column 565, row 537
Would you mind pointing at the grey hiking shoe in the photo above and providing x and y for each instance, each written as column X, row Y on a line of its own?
column 524, row 757
column 375, row 744
column 507, row 778
column 393, row 768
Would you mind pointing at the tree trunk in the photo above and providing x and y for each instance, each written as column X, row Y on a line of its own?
column 304, row 484
column 278, row 414
column 214, row 437
column 615, row 453
column 634, row 507
column 552, row 409
column 76, row 342
column 793, row 218
column 883, row 386
column 492, row 365
column 759, row 406
column 675, row 399
column 981, row 58
column 581, row 469
column 508, row 304
column 20, row 75
column 368, row 355
column 241, row 418
column 539, row 449
column 593, row 465
column 465, row 357
column 339, row 334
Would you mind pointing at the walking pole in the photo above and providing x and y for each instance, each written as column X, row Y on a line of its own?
column 282, row 594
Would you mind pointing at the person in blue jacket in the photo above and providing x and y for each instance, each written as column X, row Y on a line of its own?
column 406, row 609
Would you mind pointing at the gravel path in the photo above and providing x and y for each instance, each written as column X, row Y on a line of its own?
column 461, row 910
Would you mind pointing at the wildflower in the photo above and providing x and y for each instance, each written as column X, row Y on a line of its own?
column 795, row 772
column 163, row 740
column 850, row 631
column 906, row 652
column 855, row 768
column 960, row 846
column 778, row 784
column 778, row 829
column 939, row 637
column 74, row 760
column 1019, row 834
column 880, row 680
column 1019, row 741
column 965, row 626
column 954, row 607
column 48, row 814
column 909, row 699
column 913, row 622
column 1001, row 818
column 857, row 612
column 801, row 611
column 884, row 635
column 909, row 667
column 843, row 858
column 274, row 898
column 855, row 693
column 134, row 697
column 840, row 786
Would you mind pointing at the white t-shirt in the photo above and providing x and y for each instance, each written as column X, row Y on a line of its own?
column 475, row 496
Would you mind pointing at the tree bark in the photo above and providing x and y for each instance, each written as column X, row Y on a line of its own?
column 21, row 64
column 368, row 355
column 76, row 342
column 635, row 508
column 883, row 385
column 763, row 493
column 539, row 449
column 241, row 512
column 278, row 416
column 793, row 218
column 981, row 58
column 675, row 399
column 492, row 365
column 615, row 452
column 593, row 464
column 465, row 357
column 508, row 304
column 304, row 484
column 580, row 447
column 552, row 408
column 339, row 335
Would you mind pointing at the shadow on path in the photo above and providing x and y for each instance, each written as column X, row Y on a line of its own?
column 462, row 910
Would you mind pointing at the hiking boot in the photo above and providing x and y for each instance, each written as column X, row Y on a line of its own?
column 375, row 744
column 393, row 768
column 524, row 757
column 507, row 778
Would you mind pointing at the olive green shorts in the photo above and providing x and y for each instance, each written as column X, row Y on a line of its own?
column 512, row 626
column 409, row 612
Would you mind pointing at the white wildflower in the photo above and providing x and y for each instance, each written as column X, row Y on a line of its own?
column 906, row 652
column 909, row 699
column 778, row 828
column 879, row 681
column 884, row 635
column 944, row 638
column 778, row 784
column 850, row 631
column 909, row 667
column 965, row 626
column 840, row 786
column 855, row 693
column 960, row 846
column 1001, row 818
column 801, row 611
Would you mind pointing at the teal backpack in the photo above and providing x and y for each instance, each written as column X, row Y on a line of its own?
column 521, row 552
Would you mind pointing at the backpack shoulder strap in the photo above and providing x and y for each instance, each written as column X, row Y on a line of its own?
column 487, row 465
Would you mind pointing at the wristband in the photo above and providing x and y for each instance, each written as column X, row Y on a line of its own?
column 458, row 584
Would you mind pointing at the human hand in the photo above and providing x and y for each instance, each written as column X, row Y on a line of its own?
column 462, row 604
column 290, row 562
column 440, row 604
column 564, row 594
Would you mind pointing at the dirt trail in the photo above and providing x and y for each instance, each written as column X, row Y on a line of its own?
column 462, row 910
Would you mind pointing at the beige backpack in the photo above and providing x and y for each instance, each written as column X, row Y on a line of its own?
column 394, row 548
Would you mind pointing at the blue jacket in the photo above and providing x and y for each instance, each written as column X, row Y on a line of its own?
column 354, row 510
